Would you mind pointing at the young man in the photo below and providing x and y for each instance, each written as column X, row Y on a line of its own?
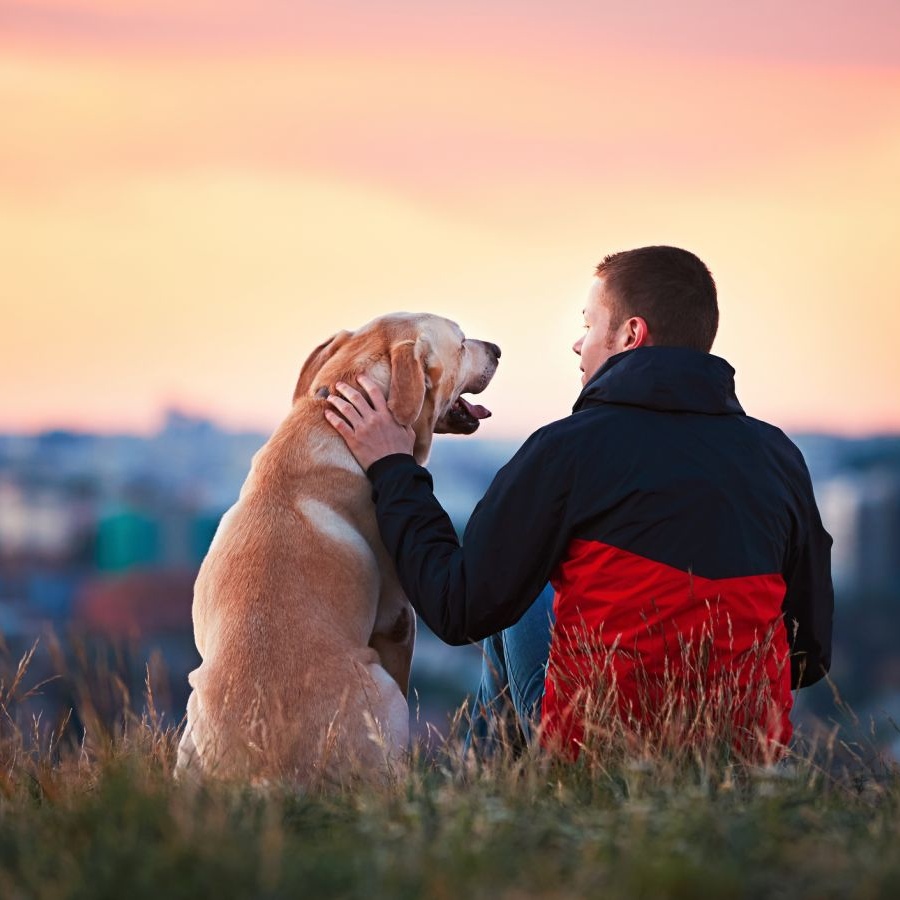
column 681, row 536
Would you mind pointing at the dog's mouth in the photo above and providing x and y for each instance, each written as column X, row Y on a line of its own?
column 462, row 418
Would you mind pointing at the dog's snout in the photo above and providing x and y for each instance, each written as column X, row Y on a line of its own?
column 493, row 348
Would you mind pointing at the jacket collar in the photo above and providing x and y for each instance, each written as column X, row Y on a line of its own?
column 668, row 379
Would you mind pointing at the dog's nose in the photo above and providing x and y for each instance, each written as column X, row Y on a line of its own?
column 494, row 349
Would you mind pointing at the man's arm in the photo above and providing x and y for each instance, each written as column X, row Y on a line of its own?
column 514, row 538
column 809, row 600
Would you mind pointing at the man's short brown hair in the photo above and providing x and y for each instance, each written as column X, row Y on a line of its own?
column 670, row 288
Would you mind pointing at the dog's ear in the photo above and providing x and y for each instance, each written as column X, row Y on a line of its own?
column 316, row 360
column 407, row 390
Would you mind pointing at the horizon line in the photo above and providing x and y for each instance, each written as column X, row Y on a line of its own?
column 166, row 414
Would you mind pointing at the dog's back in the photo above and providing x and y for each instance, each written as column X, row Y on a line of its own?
column 285, row 604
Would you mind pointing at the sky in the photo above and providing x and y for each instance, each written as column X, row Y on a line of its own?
column 195, row 194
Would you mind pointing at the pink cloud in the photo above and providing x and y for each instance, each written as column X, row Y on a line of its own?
column 866, row 33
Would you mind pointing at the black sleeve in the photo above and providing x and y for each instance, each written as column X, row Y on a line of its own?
column 512, row 543
column 809, row 601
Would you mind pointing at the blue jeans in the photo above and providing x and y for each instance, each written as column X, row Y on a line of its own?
column 508, row 703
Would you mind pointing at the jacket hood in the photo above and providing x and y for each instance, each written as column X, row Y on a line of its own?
column 668, row 379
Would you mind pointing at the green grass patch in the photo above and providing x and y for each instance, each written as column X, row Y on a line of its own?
column 99, row 815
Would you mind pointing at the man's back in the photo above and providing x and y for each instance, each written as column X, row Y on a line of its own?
column 686, row 524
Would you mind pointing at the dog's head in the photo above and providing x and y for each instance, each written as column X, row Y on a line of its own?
column 424, row 363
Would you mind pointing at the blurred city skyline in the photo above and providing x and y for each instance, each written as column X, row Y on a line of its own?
column 194, row 195
column 101, row 537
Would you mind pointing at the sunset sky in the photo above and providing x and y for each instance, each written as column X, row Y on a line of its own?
column 195, row 194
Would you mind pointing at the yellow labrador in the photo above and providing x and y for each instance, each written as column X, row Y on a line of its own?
column 305, row 634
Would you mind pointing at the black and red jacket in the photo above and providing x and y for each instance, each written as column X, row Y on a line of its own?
column 660, row 511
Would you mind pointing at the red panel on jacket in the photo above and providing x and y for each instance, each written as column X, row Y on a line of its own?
column 633, row 635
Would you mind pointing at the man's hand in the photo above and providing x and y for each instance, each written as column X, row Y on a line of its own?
column 367, row 425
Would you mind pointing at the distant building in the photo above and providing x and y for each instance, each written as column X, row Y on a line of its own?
column 136, row 604
column 35, row 522
column 861, row 510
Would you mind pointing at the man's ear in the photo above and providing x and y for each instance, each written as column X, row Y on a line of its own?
column 316, row 360
column 407, row 390
column 637, row 333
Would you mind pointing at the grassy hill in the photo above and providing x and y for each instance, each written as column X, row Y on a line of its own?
column 97, row 814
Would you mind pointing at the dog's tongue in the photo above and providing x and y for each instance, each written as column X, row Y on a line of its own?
column 477, row 412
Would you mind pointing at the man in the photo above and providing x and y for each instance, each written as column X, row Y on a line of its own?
column 690, row 566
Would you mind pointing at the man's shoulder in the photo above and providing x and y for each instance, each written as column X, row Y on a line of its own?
column 545, row 439
column 776, row 438
column 592, row 425
column 551, row 446
column 783, row 454
column 561, row 431
column 587, row 429
column 585, row 419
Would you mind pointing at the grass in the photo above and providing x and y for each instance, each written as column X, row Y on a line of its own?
column 93, row 812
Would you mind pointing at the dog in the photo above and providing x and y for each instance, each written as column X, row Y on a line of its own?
column 305, row 634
